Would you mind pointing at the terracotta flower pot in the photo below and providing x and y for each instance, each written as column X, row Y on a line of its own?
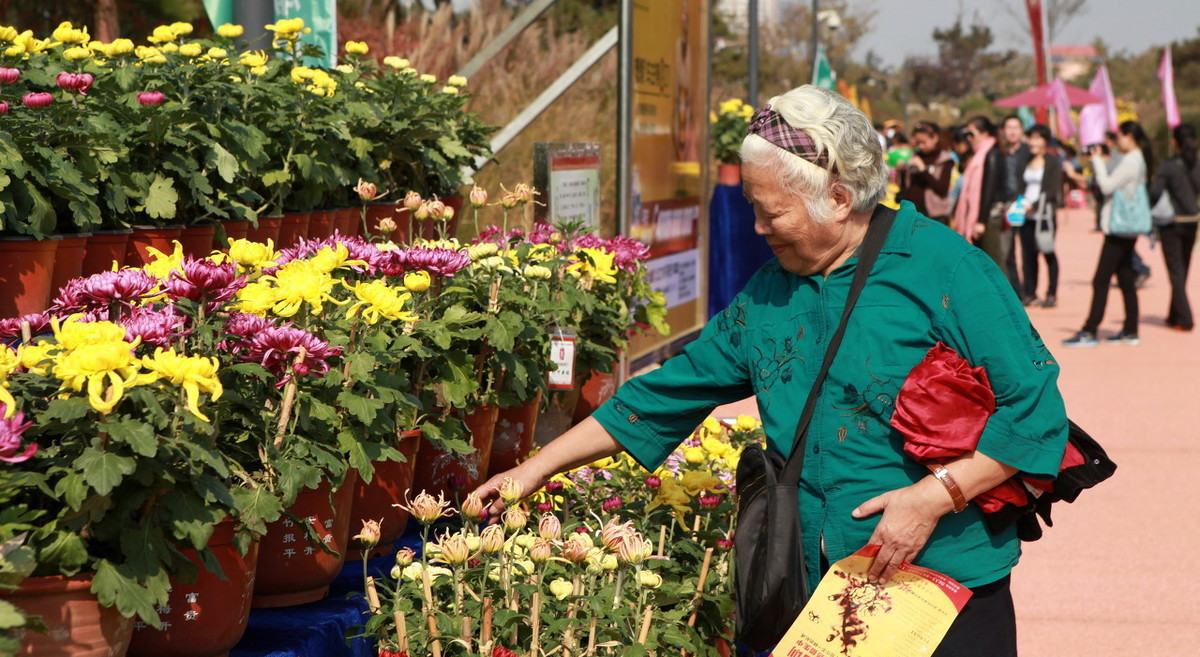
column 206, row 618
column 729, row 174
column 231, row 229
column 292, row 228
column 197, row 240
column 26, row 274
column 321, row 224
column 104, row 248
column 291, row 571
column 514, row 435
column 347, row 222
column 374, row 500
column 267, row 229
column 597, row 389
column 68, row 260
column 145, row 237
column 77, row 625
column 452, row 474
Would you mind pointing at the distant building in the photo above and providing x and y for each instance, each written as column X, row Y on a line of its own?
column 1070, row 62
column 735, row 11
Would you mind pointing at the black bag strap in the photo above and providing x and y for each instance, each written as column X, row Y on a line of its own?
column 877, row 232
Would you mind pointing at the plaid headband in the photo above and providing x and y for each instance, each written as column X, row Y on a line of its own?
column 770, row 125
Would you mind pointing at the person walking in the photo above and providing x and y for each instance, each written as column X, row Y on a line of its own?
column 1179, row 178
column 813, row 170
column 1116, row 255
column 929, row 172
column 979, row 212
column 1042, row 177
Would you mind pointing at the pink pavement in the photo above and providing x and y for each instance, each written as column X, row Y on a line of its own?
column 1115, row 575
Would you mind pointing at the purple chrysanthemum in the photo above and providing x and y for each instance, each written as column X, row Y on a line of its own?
column 628, row 252
column 39, row 323
column 159, row 328
column 276, row 348
column 98, row 290
column 240, row 327
column 11, row 430
column 204, row 280
column 438, row 262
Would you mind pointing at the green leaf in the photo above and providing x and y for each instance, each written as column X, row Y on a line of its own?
column 364, row 409
column 257, row 507
column 10, row 616
column 227, row 164
column 276, row 177
column 114, row 588
column 104, row 470
column 67, row 410
column 161, row 198
column 138, row 435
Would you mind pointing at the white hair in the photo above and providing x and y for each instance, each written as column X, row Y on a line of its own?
column 843, row 133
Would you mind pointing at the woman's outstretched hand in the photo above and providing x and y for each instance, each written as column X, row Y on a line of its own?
column 909, row 516
column 523, row 478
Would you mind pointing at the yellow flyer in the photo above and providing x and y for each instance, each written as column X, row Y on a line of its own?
column 849, row 616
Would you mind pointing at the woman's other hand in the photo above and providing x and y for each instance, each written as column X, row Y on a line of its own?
column 909, row 517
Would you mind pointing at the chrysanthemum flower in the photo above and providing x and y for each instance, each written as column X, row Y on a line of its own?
column 276, row 349
column 10, row 329
column 106, row 368
column 157, row 327
column 376, row 299
column 195, row 374
column 204, row 280
column 72, row 333
column 12, row 426
column 126, row 285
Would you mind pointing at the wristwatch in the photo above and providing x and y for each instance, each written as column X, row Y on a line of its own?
column 956, row 494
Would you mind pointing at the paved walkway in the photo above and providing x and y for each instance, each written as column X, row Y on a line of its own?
column 1116, row 575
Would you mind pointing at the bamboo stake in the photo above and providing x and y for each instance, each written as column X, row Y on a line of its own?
column 535, row 643
column 429, row 615
column 289, row 399
column 485, row 636
column 401, row 631
column 662, row 540
column 466, row 631
column 569, row 637
column 591, row 649
column 372, row 596
column 700, row 586
column 26, row 331
column 646, row 616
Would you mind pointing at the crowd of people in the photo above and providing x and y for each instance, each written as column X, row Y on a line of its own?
column 1000, row 186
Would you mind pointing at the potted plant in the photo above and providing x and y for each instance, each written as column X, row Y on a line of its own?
column 727, row 130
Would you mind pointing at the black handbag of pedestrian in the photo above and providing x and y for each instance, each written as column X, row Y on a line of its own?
column 771, row 584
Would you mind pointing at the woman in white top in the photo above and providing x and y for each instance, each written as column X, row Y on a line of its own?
column 1043, row 184
column 1116, row 256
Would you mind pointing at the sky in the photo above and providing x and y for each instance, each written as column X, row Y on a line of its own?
column 903, row 27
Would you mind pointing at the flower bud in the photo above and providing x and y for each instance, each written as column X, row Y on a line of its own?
column 613, row 532
column 427, row 508
column 501, row 651
column 9, row 75
column 538, row 272
column 491, row 539
column 448, row 213
column 449, row 90
column 634, row 549
column 553, row 486
column 405, row 557
column 366, row 191
column 575, row 551
column 396, row 572
column 508, row 200
column 77, row 53
column 525, row 192
column 412, row 201
column 230, row 31
column 41, row 99
column 472, row 507
column 561, row 589
column 217, row 53
column 482, row 250
column 653, row 482
column 428, row 77
column 709, row 501
column 650, row 579
column 150, row 98
column 511, row 491
column 370, row 533
column 422, row 212
column 549, row 527
column 545, row 506
column 191, row 49
column 454, row 550
column 3, row 107
column 612, row 503
column 457, row 80
column 515, row 518
column 524, row 540
column 386, row 226
column 479, row 195
column 357, row 48
column 541, row 550
column 437, row 209
column 417, row 281
column 724, row 543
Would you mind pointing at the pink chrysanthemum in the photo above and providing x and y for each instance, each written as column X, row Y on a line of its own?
column 98, row 290
column 204, row 280
column 10, row 329
column 11, row 431
column 276, row 348
column 159, row 328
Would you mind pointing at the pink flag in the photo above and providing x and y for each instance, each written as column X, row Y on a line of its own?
column 1062, row 109
column 1097, row 118
column 1167, row 75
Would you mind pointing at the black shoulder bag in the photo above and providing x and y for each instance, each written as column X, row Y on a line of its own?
column 772, row 586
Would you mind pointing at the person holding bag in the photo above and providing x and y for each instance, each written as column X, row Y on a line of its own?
column 1124, row 216
column 1177, row 185
column 824, row 338
column 1042, row 177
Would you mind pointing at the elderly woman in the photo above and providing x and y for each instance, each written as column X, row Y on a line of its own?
column 814, row 172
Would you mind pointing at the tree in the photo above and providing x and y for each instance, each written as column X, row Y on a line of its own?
column 962, row 54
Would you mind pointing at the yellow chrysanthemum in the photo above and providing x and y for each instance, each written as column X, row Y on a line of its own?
column 694, row 455
column 162, row 264
column 730, row 106
column 72, row 334
column 288, row 28
column 253, row 255
column 456, row 80
column 746, row 423
column 257, row 298
column 107, row 369
column 596, row 264
column 119, row 47
column 253, row 59
column 9, row 361
column 191, row 49
column 37, row 358
column 671, row 494
column 162, row 34
column 376, row 299
column 715, row 448
column 357, row 48
column 417, row 281
column 230, row 31
column 695, row 481
column 77, row 53
column 67, row 33
column 180, row 28
column 195, row 374
column 332, row 258
column 216, row 53
column 713, row 426
column 299, row 282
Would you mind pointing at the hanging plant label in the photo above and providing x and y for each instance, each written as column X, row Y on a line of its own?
column 562, row 352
